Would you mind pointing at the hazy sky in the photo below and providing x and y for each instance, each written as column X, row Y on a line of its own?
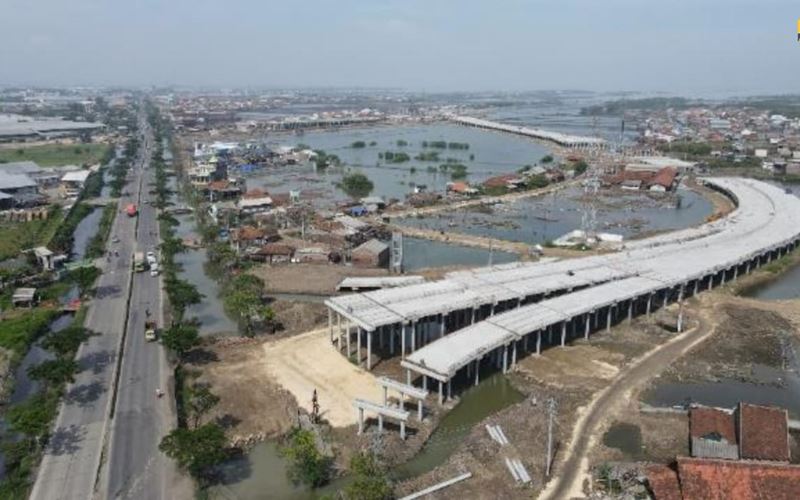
column 675, row 45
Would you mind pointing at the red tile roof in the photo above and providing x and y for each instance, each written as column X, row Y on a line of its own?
column 249, row 233
column 703, row 479
column 665, row 177
column 663, row 482
column 706, row 421
column 255, row 193
column 501, row 180
column 763, row 433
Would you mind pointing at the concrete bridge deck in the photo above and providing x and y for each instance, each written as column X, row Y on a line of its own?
column 666, row 267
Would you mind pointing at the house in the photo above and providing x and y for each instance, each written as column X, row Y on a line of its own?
column 311, row 255
column 254, row 205
column 22, row 189
column 713, row 434
column 631, row 184
column 459, row 187
column 377, row 201
column 358, row 211
column 200, row 175
column 372, row 253
column 24, row 297
column 664, row 180
column 249, row 236
column 507, row 181
column 763, row 432
column 72, row 183
column 274, row 253
column 45, row 257
column 224, row 189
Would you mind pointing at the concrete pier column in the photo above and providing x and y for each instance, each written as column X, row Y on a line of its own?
column 525, row 343
column 449, row 389
column 380, row 423
column 696, row 282
column 369, row 350
column 649, row 301
column 724, row 272
column 348, row 340
column 666, row 296
column 408, row 376
column 419, row 410
column 586, row 326
column 413, row 336
column 339, row 330
column 630, row 310
column 402, row 430
column 403, row 333
column 472, row 318
column 391, row 340
column 360, row 420
column 747, row 268
column 710, row 281
column 735, row 272
column 330, row 324
column 539, row 343
column 505, row 358
column 608, row 319
column 550, row 335
column 680, row 310
column 441, row 327
column 514, row 354
column 359, row 333
column 563, row 333
column 477, row 370
column 385, row 395
column 424, row 382
column 441, row 393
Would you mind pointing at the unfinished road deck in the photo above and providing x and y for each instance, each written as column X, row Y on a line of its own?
column 525, row 298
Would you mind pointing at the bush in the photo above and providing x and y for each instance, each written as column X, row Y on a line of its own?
column 370, row 481
column 306, row 464
column 356, row 185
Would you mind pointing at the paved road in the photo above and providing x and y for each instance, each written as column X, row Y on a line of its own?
column 572, row 469
column 72, row 458
column 136, row 468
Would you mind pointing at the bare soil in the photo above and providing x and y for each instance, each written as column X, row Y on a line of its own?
column 313, row 279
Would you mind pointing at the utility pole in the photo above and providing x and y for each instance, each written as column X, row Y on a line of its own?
column 551, row 412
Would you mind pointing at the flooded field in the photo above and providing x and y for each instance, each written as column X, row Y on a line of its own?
column 488, row 154
column 545, row 218
column 421, row 254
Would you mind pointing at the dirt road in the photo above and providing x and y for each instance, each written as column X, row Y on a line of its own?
column 306, row 362
column 573, row 469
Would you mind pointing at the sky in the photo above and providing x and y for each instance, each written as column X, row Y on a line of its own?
column 677, row 46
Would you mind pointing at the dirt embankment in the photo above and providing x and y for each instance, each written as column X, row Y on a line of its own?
column 571, row 375
column 311, row 279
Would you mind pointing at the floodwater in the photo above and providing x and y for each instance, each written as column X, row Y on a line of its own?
column 210, row 311
column 489, row 154
column 261, row 473
column 420, row 253
column 84, row 232
column 490, row 396
column 545, row 218
column 625, row 437
column 786, row 286
column 772, row 387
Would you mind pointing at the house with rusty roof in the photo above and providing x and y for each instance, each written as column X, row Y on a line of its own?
column 763, row 433
column 713, row 433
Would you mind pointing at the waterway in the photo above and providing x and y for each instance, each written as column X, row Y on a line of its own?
column 489, row 154
column 545, row 218
column 784, row 287
column 419, row 254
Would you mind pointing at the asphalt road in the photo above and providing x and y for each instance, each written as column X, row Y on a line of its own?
column 136, row 468
column 71, row 463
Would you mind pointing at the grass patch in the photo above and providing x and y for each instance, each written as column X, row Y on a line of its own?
column 52, row 155
column 22, row 328
column 18, row 236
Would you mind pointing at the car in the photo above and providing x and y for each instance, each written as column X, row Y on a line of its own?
column 114, row 240
column 154, row 270
column 151, row 255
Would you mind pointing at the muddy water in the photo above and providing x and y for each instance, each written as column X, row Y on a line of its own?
column 489, row 154
column 545, row 218
column 477, row 403
column 625, row 437
column 84, row 232
column 210, row 311
column 787, row 286
column 420, row 254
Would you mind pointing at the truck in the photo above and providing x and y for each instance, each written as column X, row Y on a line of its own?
column 150, row 328
column 131, row 210
column 138, row 261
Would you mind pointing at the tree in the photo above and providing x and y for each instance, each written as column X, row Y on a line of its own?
column 66, row 341
column 200, row 401
column 182, row 294
column 180, row 338
column 547, row 159
column 370, row 481
column 356, row 185
column 54, row 371
column 196, row 450
column 84, row 278
column 580, row 167
column 306, row 464
column 32, row 417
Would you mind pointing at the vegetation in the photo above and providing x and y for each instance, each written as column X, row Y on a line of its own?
column 20, row 330
column 63, row 238
column 180, row 338
column 84, row 278
column 401, row 143
column 324, row 160
column 457, row 145
column 97, row 245
column 370, row 480
column 392, row 157
column 306, row 464
column 457, row 171
column 445, row 145
column 55, row 371
column 547, row 159
column 242, row 300
column 18, row 236
column 66, row 341
column 358, row 145
column 199, row 401
column 196, row 450
column 619, row 106
column 688, row 148
column 356, row 185
column 52, row 155
column 427, row 156
column 580, row 167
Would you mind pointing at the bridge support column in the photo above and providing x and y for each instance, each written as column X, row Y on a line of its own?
column 449, row 389
column 563, row 333
column 649, row 300
column 441, row 327
column 680, row 310
column 630, row 311
column 514, row 354
column 586, row 326
column 505, row 358
column 330, row 324
column 441, row 393
column 539, row 343
column 348, row 340
column 380, row 423
column 477, row 370
column 413, row 336
column 369, row 350
column 391, row 340
column 360, row 421
column 402, row 430
column 608, row 318
column 358, row 346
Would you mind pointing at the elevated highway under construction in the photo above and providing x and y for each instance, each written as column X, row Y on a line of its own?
column 494, row 314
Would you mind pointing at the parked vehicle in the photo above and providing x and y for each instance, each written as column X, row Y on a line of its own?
column 138, row 262
column 154, row 269
column 131, row 210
